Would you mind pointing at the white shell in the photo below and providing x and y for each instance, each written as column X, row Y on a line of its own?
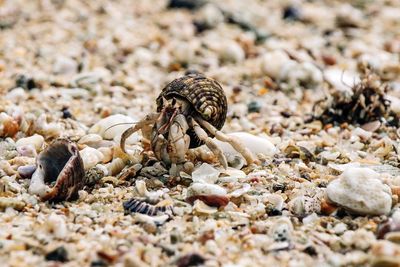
column 103, row 129
column 90, row 157
column 197, row 189
column 107, row 153
column 256, row 144
column 361, row 191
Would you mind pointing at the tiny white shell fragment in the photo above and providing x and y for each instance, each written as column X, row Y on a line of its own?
column 232, row 175
column 205, row 189
column 313, row 217
column 363, row 134
column 201, row 208
column 241, row 191
column 205, row 174
column 276, row 200
column 231, row 51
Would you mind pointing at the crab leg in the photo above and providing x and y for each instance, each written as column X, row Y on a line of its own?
column 178, row 139
column 233, row 141
column 203, row 136
column 149, row 119
column 178, row 144
column 160, row 149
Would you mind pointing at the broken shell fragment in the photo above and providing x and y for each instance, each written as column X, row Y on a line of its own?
column 137, row 205
column 59, row 174
column 211, row 194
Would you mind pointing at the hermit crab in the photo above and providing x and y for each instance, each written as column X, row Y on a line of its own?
column 190, row 111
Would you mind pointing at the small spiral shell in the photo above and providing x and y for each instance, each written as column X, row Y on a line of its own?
column 206, row 96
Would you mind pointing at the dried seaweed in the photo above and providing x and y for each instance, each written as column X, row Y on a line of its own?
column 365, row 102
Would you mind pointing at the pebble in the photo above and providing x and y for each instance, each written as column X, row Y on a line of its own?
column 187, row 4
column 36, row 140
column 26, row 171
column 59, row 254
column 291, row 13
column 27, row 150
column 361, row 191
column 56, row 225
column 231, row 51
column 209, row 16
column 17, row 95
column 11, row 202
column 65, row 66
column 254, row 106
column 281, row 230
column 272, row 63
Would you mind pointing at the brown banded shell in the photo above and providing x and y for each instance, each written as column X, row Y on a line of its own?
column 205, row 95
column 59, row 174
column 136, row 205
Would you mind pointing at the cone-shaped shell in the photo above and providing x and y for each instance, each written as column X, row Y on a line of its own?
column 59, row 174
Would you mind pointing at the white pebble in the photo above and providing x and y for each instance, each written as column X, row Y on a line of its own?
column 17, row 95
column 210, row 15
column 272, row 63
column 36, row 140
column 361, row 191
column 231, row 52
column 56, row 225
column 64, row 65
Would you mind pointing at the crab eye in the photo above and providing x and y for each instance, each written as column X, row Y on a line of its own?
column 173, row 101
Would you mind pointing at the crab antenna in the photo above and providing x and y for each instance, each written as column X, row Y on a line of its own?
column 117, row 124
